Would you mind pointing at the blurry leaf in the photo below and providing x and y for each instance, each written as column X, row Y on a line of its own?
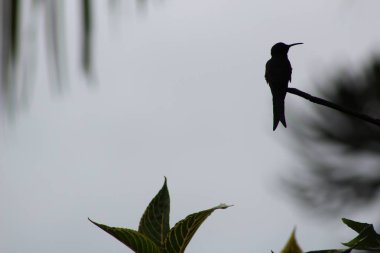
column 155, row 221
column 136, row 241
column 367, row 239
column 141, row 5
column 14, row 27
column 56, row 41
column 292, row 245
column 87, row 31
column 180, row 235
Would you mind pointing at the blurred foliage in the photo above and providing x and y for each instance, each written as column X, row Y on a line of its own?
column 292, row 245
column 154, row 234
column 87, row 30
column 341, row 154
column 366, row 240
column 20, row 25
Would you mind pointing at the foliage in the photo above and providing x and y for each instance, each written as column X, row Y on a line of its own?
column 349, row 173
column 19, row 26
column 154, row 234
column 367, row 240
column 292, row 245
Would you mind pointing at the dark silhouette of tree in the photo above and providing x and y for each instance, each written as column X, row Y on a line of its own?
column 341, row 154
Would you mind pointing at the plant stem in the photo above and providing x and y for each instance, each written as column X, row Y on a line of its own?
column 323, row 102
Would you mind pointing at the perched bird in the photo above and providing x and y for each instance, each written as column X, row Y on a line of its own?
column 278, row 74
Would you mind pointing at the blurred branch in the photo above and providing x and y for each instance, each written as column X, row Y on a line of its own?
column 326, row 103
column 341, row 155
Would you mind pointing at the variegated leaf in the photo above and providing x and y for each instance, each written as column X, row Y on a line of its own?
column 136, row 241
column 155, row 221
column 180, row 235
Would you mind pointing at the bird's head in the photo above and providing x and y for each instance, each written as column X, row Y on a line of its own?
column 281, row 49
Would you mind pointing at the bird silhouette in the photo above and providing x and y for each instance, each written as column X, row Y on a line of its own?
column 278, row 74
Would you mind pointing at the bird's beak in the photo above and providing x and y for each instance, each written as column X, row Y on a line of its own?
column 295, row 44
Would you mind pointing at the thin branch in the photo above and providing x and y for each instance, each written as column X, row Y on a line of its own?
column 323, row 102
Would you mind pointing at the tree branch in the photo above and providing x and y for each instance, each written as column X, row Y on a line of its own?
column 323, row 102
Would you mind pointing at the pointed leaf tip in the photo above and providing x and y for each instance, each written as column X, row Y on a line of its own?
column 154, row 223
column 223, row 206
column 292, row 244
column 180, row 235
column 354, row 225
column 367, row 239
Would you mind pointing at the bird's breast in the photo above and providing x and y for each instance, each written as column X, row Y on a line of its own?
column 278, row 70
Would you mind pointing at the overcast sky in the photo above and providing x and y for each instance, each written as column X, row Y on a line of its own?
column 178, row 91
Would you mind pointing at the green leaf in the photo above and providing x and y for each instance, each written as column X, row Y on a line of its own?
column 292, row 245
column 135, row 240
column 367, row 239
column 357, row 226
column 180, row 235
column 155, row 221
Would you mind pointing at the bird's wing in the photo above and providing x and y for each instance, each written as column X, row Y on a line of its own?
column 288, row 68
column 267, row 67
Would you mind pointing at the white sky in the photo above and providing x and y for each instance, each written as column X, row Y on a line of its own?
column 179, row 92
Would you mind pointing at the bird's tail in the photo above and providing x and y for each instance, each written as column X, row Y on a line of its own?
column 278, row 112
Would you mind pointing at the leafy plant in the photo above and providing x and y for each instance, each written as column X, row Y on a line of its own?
column 154, row 234
column 367, row 240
